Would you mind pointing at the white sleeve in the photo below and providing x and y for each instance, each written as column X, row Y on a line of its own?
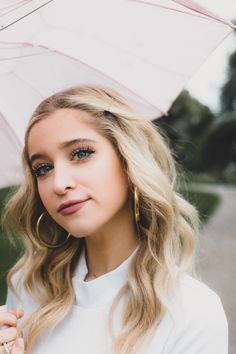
column 206, row 333
column 11, row 301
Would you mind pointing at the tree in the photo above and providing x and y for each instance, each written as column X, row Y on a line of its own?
column 228, row 91
column 219, row 150
column 186, row 126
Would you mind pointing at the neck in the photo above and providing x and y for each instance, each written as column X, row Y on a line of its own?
column 109, row 247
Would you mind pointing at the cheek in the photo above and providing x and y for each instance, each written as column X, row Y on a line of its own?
column 44, row 195
column 109, row 179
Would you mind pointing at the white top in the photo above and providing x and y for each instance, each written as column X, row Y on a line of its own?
column 198, row 324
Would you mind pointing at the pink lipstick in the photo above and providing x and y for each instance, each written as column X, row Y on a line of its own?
column 72, row 207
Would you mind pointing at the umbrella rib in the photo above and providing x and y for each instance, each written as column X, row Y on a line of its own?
column 13, row 46
column 109, row 44
column 104, row 74
column 199, row 9
column 29, row 13
column 197, row 14
column 112, row 79
column 13, row 73
column 27, row 55
column 13, row 7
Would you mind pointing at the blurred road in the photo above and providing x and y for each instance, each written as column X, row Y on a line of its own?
column 216, row 261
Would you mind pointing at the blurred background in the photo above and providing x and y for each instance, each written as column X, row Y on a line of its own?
column 201, row 130
column 201, row 127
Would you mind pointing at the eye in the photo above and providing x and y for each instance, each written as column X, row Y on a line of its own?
column 82, row 153
column 41, row 170
column 78, row 154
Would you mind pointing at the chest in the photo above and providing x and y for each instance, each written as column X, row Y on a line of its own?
column 81, row 332
column 85, row 331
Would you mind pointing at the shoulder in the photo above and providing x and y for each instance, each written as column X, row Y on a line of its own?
column 198, row 320
column 198, row 301
column 22, row 299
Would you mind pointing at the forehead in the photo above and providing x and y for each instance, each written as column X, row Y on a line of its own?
column 63, row 124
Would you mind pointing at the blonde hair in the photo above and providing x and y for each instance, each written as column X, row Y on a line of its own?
column 168, row 225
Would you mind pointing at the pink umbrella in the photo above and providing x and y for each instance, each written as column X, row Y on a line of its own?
column 147, row 50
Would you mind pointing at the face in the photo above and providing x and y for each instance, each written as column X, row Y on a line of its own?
column 68, row 170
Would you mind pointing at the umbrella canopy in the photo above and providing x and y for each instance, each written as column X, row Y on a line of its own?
column 146, row 50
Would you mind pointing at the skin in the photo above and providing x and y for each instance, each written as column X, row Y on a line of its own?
column 106, row 220
column 9, row 334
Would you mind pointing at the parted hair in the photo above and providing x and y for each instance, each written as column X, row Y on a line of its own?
column 168, row 226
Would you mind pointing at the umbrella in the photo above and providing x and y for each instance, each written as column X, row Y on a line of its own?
column 146, row 50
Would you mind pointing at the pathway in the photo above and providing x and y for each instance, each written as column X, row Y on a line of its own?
column 216, row 261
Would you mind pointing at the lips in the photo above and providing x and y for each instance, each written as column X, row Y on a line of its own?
column 70, row 203
column 72, row 209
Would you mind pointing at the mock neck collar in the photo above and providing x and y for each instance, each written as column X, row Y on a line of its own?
column 99, row 291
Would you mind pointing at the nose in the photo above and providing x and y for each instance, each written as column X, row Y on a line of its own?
column 63, row 179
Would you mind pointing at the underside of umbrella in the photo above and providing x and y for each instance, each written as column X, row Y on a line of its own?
column 146, row 50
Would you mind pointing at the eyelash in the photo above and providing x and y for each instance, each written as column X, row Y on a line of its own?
column 87, row 149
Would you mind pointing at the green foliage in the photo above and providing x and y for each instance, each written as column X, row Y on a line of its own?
column 186, row 126
column 206, row 178
column 206, row 203
column 220, row 147
column 201, row 141
column 9, row 252
column 228, row 91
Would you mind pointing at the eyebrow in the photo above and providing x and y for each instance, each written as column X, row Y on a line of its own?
column 62, row 146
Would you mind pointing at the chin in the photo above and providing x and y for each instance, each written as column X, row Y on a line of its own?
column 79, row 232
column 76, row 235
column 85, row 228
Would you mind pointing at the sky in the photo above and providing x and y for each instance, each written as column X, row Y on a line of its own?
column 206, row 83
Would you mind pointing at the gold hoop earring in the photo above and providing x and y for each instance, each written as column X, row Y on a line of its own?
column 136, row 206
column 43, row 243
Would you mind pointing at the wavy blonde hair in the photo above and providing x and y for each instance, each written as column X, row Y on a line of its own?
column 168, row 225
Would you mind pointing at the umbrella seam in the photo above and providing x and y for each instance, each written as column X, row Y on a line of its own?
column 109, row 45
column 204, row 16
column 106, row 75
column 21, row 18
column 116, row 81
column 13, row 7
column 29, row 84
column 25, row 56
column 11, row 132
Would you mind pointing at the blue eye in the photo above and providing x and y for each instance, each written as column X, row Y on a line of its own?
column 82, row 153
column 77, row 155
column 41, row 170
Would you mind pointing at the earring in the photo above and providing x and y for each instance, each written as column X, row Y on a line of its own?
column 136, row 206
column 43, row 243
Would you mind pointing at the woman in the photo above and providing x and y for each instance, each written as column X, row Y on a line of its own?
column 109, row 243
